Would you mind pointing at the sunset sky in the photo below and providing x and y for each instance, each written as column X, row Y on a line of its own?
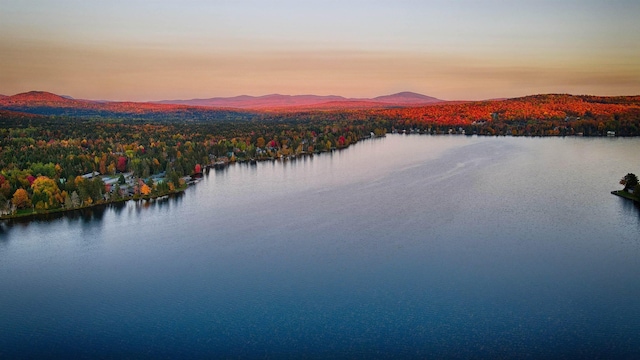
column 454, row 50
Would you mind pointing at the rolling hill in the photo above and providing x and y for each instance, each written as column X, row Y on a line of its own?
column 46, row 103
column 411, row 108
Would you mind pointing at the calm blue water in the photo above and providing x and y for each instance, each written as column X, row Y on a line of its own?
column 407, row 246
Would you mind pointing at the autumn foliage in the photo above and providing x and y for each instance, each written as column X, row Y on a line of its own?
column 21, row 199
column 42, row 157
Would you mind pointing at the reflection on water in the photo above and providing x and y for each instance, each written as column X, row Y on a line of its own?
column 92, row 216
column 631, row 207
column 408, row 246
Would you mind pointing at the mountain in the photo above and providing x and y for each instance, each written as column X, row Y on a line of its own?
column 43, row 99
column 46, row 103
column 315, row 101
column 407, row 97
column 257, row 102
column 349, row 104
column 415, row 108
column 238, row 107
column 35, row 98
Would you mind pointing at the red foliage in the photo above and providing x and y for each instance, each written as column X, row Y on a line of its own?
column 540, row 107
column 537, row 107
column 122, row 164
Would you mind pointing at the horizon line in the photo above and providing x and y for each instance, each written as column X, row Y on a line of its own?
column 309, row 94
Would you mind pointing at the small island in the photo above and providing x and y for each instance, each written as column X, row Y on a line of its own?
column 631, row 188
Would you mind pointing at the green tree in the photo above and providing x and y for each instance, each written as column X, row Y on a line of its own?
column 47, row 170
column 96, row 189
column 629, row 181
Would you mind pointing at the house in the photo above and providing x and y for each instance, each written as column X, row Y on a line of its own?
column 110, row 180
column 90, row 175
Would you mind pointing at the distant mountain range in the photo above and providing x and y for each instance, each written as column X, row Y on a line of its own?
column 46, row 103
column 405, row 105
column 239, row 102
column 282, row 101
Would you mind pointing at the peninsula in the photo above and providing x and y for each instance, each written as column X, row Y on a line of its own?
column 631, row 188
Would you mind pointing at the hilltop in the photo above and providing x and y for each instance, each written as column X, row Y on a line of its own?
column 406, row 98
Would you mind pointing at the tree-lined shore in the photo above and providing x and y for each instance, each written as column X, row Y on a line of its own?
column 59, row 162
column 48, row 163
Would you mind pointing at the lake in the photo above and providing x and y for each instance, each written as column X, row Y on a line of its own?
column 405, row 246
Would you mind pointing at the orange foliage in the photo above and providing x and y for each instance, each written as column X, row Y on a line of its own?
column 537, row 107
column 145, row 189
column 21, row 199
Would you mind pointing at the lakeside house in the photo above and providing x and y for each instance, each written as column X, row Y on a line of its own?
column 90, row 175
column 110, row 181
column 159, row 177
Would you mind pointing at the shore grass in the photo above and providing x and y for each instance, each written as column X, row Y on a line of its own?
column 626, row 195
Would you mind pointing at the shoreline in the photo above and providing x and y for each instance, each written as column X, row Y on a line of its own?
column 252, row 161
column 62, row 211
column 35, row 215
column 626, row 195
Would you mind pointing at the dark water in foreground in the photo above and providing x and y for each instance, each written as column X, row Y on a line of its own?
column 408, row 246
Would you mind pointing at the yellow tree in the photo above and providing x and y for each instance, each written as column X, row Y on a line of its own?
column 58, row 170
column 47, row 191
column 103, row 164
column 78, row 180
column 21, row 199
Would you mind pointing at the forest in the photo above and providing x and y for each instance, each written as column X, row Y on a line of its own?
column 46, row 149
column 43, row 158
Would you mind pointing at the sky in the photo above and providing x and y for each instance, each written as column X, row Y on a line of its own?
column 453, row 50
